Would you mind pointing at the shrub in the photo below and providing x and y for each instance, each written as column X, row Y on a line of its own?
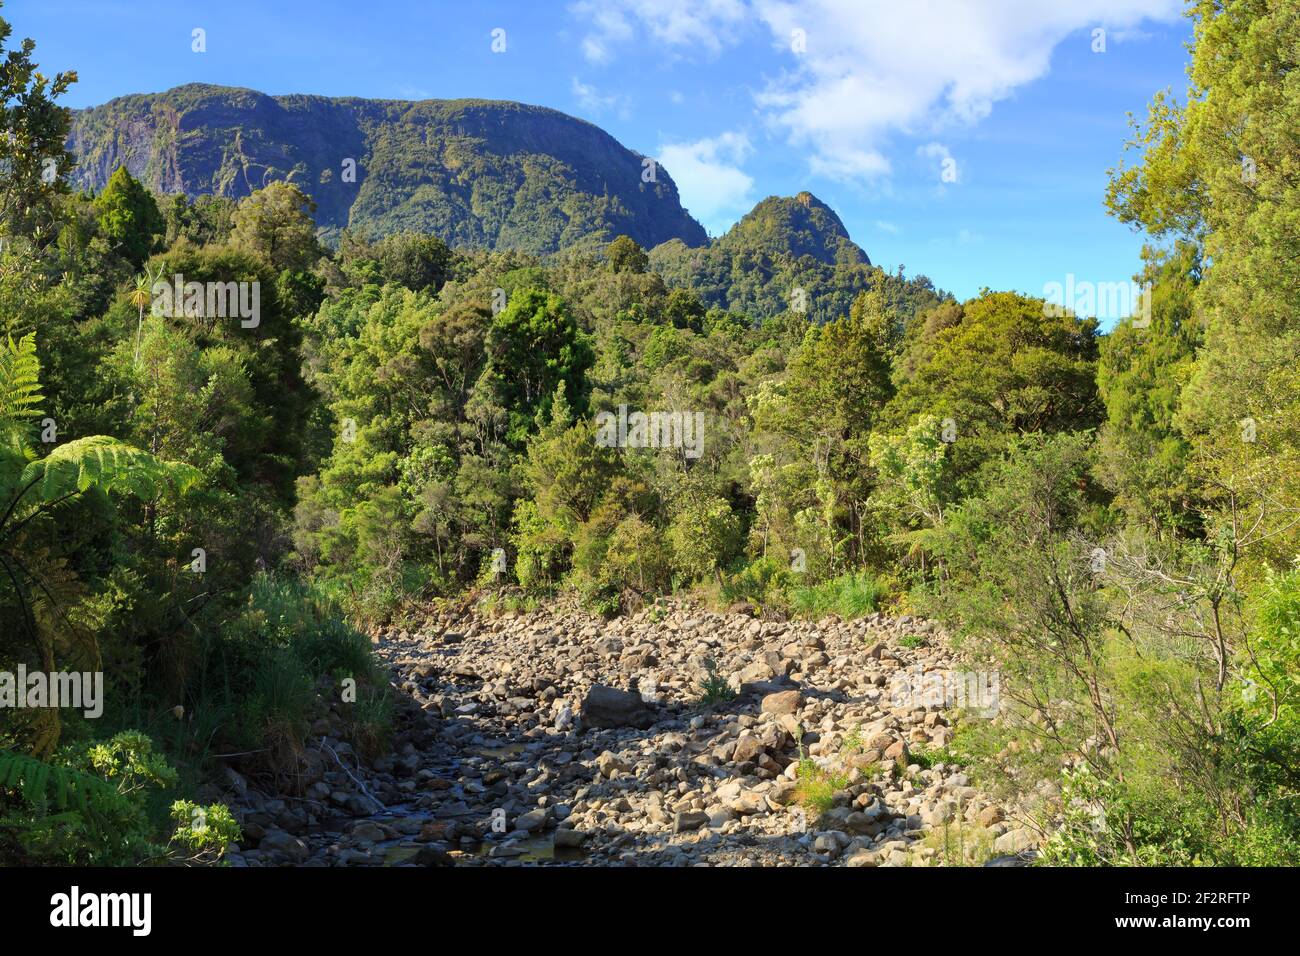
column 850, row 596
column 762, row 583
column 715, row 688
column 263, row 668
column 91, row 806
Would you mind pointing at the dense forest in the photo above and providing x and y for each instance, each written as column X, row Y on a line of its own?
column 213, row 499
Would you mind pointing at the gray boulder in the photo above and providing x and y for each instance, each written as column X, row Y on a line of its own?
column 610, row 707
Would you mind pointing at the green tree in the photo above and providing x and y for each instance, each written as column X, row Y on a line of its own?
column 684, row 309
column 1218, row 170
column 1006, row 368
column 275, row 223
column 1140, row 376
column 626, row 256
column 128, row 217
column 33, row 134
column 913, row 485
column 533, row 345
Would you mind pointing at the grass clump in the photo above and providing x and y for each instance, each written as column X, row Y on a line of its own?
column 958, row 843
column 714, row 688
column 816, row 788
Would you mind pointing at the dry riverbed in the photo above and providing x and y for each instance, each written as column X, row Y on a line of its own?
column 554, row 739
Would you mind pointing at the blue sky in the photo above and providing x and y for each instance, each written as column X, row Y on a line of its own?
column 967, row 140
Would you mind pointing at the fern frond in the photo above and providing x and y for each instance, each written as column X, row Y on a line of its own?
column 108, row 464
column 37, row 785
column 20, row 384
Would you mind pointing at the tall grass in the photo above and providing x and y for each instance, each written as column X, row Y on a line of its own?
column 263, row 670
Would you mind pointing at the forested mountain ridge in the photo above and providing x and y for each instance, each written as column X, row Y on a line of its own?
column 477, row 173
column 787, row 253
column 797, row 226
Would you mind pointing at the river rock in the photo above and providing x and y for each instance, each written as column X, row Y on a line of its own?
column 609, row 707
column 782, row 702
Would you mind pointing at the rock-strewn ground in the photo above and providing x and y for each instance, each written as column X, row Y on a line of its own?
column 563, row 740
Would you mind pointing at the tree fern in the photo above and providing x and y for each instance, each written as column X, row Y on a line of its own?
column 108, row 464
column 39, row 787
column 32, row 488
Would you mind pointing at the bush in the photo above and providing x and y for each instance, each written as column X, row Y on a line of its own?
column 850, row 596
column 763, row 583
column 816, row 787
column 714, row 687
column 263, row 670
column 93, row 805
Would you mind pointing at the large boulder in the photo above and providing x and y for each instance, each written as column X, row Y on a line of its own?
column 284, row 846
column 748, row 747
column 1015, row 841
column 782, row 702
column 610, row 707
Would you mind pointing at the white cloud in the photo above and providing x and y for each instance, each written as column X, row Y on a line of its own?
column 709, row 178
column 593, row 101
column 707, row 24
column 874, row 68
column 888, row 227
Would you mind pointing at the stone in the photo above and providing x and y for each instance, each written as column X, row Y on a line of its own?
column 991, row 815
column 286, row 845
column 1015, row 841
column 784, row 793
column 748, row 747
column 610, row 764
column 432, row 856
column 368, row 832
column 568, row 838
column 864, row 761
column 609, row 707
column 532, row 820
column 782, row 702
column 938, row 815
column 859, row 822
column 826, row 844
column 759, row 672
column 881, row 742
column 691, row 820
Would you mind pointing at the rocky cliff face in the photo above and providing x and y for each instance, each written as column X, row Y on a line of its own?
column 477, row 173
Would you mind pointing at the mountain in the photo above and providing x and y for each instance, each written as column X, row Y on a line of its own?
column 795, row 226
column 477, row 173
column 783, row 245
